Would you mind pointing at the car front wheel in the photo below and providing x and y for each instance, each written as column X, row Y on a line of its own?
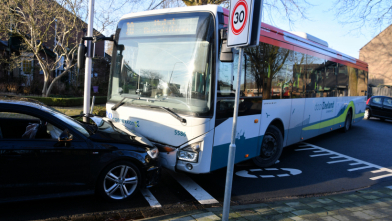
column 119, row 181
column 271, row 148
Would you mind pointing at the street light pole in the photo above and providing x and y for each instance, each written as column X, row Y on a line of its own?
column 89, row 61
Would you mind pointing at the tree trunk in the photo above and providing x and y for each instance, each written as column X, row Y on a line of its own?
column 55, row 80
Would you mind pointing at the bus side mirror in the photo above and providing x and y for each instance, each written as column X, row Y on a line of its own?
column 226, row 54
column 81, row 55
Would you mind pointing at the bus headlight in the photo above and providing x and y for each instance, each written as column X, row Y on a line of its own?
column 190, row 153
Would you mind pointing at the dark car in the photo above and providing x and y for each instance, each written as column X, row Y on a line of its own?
column 380, row 107
column 45, row 154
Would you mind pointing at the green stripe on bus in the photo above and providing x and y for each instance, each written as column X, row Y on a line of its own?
column 333, row 121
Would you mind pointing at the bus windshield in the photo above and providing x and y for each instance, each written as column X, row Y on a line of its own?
column 164, row 61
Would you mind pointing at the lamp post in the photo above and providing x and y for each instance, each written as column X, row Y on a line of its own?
column 87, row 72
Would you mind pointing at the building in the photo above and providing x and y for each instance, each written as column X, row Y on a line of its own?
column 26, row 75
column 377, row 53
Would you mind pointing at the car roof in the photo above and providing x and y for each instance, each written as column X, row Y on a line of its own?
column 17, row 100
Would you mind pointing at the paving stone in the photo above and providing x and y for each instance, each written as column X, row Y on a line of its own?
column 374, row 213
column 378, row 203
column 354, row 197
column 341, row 218
column 332, row 207
column 249, row 215
column 301, row 212
column 325, row 201
column 206, row 216
column 188, row 218
column 315, row 204
column 266, row 211
column 319, row 211
column 361, row 215
column 283, row 209
column 281, row 216
column 341, row 199
column 386, row 211
column 329, row 218
column 370, row 196
column 364, row 205
column 296, row 218
column 351, row 207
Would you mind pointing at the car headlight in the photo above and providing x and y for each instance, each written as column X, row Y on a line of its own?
column 190, row 153
column 153, row 152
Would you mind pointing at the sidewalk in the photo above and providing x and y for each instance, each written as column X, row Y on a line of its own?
column 369, row 204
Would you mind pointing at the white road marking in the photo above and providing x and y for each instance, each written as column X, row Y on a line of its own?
column 346, row 158
column 253, row 170
column 359, row 168
column 150, row 198
column 338, row 161
column 389, row 187
column 245, row 173
column 278, row 161
column 193, row 188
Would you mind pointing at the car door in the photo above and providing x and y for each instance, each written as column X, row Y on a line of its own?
column 376, row 105
column 40, row 165
column 387, row 107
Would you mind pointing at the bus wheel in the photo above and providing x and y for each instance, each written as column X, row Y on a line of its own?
column 347, row 124
column 271, row 147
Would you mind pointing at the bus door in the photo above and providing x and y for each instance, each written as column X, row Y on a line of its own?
column 248, row 122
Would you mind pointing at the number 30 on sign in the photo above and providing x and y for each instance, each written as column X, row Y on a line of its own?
column 240, row 21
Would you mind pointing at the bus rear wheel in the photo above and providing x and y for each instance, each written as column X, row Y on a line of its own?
column 347, row 124
column 271, row 147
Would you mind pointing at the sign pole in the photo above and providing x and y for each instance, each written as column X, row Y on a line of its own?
column 89, row 61
column 232, row 147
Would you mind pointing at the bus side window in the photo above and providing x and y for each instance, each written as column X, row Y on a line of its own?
column 342, row 85
column 314, row 73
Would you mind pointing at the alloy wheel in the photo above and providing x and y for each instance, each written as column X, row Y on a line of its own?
column 120, row 182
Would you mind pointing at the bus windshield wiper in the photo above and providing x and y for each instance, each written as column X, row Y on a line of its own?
column 182, row 120
column 119, row 104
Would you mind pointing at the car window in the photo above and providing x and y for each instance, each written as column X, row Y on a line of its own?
column 14, row 125
column 388, row 102
column 377, row 100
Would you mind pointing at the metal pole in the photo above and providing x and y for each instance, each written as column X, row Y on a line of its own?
column 89, row 61
column 232, row 147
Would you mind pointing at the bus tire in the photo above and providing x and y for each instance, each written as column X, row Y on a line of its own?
column 347, row 123
column 271, row 147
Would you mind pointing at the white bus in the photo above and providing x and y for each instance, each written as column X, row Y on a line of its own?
column 172, row 82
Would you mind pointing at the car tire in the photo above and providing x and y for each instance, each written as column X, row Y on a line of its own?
column 347, row 123
column 367, row 115
column 118, row 181
column 271, row 148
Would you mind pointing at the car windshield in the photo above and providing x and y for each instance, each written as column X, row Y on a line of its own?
column 164, row 61
column 68, row 120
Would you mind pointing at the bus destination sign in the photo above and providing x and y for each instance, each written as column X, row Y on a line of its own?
column 184, row 26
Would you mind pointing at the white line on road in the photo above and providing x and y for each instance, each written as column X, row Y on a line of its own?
column 319, row 155
column 389, row 187
column 150, row 198
column 194, row 189
column 318, row 149
column 338, row 161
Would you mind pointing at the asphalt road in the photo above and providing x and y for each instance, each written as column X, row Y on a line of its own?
column 329, row 163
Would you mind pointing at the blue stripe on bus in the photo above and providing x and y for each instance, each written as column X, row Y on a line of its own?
column 244, row 146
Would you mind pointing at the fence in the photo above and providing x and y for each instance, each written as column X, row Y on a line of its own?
column 380, row 91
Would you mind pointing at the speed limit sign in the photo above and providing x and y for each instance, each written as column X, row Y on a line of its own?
column 243, row 15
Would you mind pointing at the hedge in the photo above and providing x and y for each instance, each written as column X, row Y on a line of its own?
column 67, row 102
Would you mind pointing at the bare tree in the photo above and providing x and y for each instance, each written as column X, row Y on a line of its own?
column 359, row 14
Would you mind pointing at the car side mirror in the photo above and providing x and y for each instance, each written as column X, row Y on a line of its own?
column 65, row 136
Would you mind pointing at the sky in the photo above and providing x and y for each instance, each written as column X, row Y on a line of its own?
column 322, row 24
